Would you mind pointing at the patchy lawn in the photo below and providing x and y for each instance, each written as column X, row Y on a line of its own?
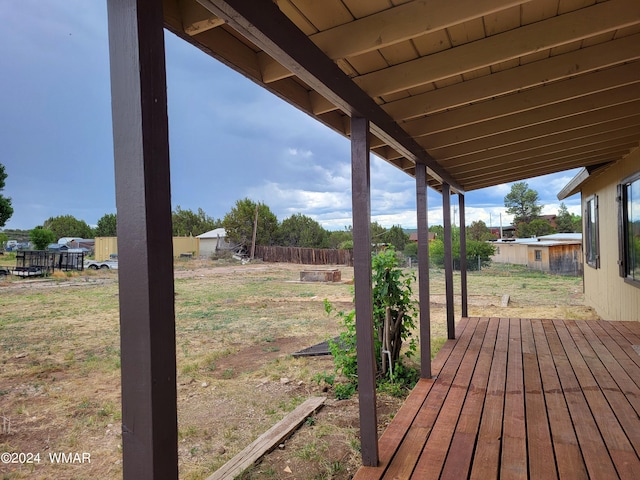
column 236, row 328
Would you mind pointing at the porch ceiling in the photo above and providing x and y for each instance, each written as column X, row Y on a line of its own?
column 481, row 91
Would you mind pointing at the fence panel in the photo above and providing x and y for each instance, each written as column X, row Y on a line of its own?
column 306, row 256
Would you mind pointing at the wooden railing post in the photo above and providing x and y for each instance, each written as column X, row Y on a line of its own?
column 463, row 258
column 448, row 259
column 143, row 200
column 423, row 271
column 361, row 200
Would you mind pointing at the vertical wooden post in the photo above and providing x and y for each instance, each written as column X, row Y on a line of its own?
column 423, row 271
column 448, row 259
column 361, row 201
column 147, row 320
column 463, row 258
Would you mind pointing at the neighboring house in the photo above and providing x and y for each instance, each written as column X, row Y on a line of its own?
column 611, row 229
column 413, row 237
column 559, row 253
column 213, row 241
column 508, row 231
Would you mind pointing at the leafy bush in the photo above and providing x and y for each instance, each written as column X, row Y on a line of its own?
column 475, row 248
column 393, row 319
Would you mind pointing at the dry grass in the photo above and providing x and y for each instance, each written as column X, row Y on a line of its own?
column 236, row 327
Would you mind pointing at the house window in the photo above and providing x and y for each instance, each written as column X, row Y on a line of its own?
column 591, row 237
column 538, row 255
column 629, row 228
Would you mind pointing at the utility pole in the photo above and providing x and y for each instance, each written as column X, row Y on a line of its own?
column 255, row 231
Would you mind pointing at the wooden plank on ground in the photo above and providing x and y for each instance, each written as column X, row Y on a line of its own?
column 570, row 463
column 540, row 447
column 268, row 440
column 486, row 460
column 458, row 462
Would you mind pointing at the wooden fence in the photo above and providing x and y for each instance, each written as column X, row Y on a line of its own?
column 307, row 256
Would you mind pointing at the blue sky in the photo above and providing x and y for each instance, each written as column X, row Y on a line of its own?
column 229, row 139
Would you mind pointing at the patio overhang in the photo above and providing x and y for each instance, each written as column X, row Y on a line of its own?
column 481, row 92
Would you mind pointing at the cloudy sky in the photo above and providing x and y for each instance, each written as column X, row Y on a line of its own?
column 229, row 139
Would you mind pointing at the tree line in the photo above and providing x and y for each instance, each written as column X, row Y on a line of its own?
column 299, row 230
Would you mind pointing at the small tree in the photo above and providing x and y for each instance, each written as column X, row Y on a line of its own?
column 68, row 226
column 41, row 237
column 107, row 226
column 478, row 230
column 393, row 316
column 301, row 231
column 567, row 222
column 522, row 203
column 341, row 238
column 397, row 237
column 6, row 210
column 476, row 250
column 187, row 222
column 534, row 228
column 238, row 223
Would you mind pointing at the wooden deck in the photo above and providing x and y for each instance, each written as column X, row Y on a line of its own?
column 517, row 398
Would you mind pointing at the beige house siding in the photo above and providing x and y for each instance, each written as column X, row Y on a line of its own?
column 106, row 246
column 514, row 253
column 605, row 290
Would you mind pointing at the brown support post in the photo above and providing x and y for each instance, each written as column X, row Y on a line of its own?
column 361, row 201
column 448, row 259
column 147, row 320
column 463, row 258
column 423, row 271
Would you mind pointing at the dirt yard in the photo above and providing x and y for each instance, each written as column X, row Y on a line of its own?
column 236, row 328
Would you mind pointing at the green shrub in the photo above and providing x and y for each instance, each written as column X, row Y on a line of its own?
column 393, row 319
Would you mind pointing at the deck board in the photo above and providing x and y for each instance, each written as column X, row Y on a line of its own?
column 522, row 399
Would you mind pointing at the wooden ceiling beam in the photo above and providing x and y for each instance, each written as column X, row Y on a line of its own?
column 570, row 27
column 518, row 174
column 527, row 100
column 552, row 143
column 401, row 23
column 540, row 130
column 223, row 46
column 270, row 30
column 482, row 168
column 533, row 74
column 391, row 26
column 549, row 113
column 196, row 19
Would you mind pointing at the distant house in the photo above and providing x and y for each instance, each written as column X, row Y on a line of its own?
column 611, row 230
column 560, row 253
column 413, row 237
column 214, row 241
column 508, row 231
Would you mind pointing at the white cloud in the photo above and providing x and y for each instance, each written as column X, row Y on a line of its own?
column 295, row 152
